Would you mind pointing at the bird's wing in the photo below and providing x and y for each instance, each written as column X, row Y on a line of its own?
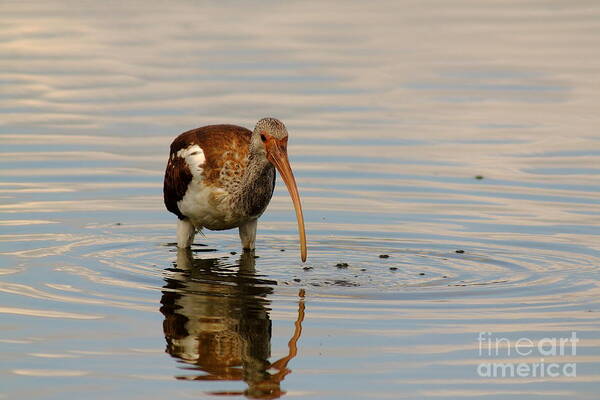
column 177, row 178
column 224, row 146
column 226, row 149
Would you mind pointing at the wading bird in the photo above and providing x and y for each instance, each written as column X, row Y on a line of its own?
column 222, row 176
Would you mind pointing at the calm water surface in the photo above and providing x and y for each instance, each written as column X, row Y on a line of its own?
column 394, row 108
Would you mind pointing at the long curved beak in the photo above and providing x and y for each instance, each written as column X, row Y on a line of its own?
column 277, row 154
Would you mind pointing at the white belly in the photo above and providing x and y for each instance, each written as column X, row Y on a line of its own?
column 209, row 207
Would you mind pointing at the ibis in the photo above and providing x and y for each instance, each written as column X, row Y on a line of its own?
column 222, row 177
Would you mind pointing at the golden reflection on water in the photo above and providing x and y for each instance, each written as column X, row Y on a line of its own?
column 217, row 322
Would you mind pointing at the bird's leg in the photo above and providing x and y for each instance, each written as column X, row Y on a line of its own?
column 185, row 260
column 185, row 233
column 248, row 234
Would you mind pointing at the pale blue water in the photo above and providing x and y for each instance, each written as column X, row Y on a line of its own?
column 393, row 110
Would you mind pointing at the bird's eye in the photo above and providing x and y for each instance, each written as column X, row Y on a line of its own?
column 263, row 138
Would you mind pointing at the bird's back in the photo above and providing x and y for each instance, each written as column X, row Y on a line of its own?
column 215, row 156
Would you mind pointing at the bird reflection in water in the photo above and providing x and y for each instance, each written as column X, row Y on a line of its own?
column 217, row 322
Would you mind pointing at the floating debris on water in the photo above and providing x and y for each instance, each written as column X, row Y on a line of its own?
column 297, row 280
column 307, row 268
column 233, row 253
column 342, row 265
column 281, row 249
column 460, row 251
column 478, row 176
column 393, row 268
column 421, row 273
column 384, row 256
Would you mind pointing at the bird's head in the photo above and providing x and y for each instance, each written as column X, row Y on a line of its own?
column 270, row 138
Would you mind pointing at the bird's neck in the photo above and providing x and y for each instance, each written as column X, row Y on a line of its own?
column 256, row 186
